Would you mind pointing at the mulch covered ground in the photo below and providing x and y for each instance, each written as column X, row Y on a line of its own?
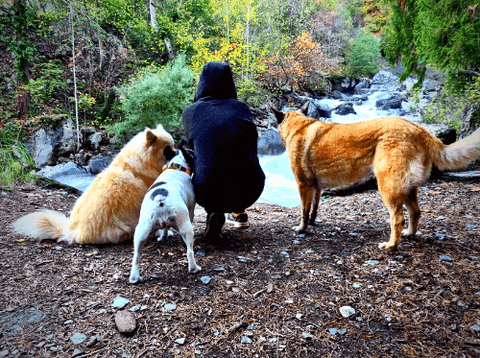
column 265, row 292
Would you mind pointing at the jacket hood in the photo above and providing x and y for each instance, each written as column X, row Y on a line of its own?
column 216, row 80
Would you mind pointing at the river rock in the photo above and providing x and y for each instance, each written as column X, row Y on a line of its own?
column 338, row 95
column 125, row 322
column 442, row 131
column 347, row 311
column 270, row 143
column 394, row 102
column 385, row 81
column 344, row 109
column 95, row 140
column 362, row 86
column 98, row 164
column 318, row 109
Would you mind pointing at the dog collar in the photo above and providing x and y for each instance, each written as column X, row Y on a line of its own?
column 178, row 167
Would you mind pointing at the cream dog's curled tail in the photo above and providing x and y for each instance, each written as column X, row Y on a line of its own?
column 459, row 154
column 44, row 224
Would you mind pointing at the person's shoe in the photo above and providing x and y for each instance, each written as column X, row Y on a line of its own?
column 215, row 223
column 238, row 220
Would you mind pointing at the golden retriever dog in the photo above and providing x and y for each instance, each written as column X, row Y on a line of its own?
column 399, row 152
column 108, row 211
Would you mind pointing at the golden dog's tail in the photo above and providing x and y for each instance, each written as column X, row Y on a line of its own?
column 459, row 154
column 44, row 224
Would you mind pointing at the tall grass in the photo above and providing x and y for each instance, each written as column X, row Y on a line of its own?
column 16, row 163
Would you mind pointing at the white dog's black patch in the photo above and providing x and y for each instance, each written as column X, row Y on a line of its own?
column 157, row 184
column 159, row 192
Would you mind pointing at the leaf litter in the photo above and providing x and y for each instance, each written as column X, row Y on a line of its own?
column 262, row 292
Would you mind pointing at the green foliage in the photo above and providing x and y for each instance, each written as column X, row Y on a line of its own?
column 156, row 97
column 7, row 93
column 447, row 108
column 365, row 55
column 20, row 18
column 45, row 82
column 440, row 33
column 108, row 107
column 251, row 93
column 15, row 160
column 376, row 14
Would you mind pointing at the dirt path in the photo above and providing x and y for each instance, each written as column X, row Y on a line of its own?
column 265, row 292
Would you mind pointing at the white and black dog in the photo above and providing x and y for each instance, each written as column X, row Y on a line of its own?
column 169, row 203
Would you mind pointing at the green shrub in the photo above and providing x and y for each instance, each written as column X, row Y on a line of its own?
column 450, row 106
column 15, row 160
column 365, row 55
column 447, row 108
column 251, row 92
column 156, row 98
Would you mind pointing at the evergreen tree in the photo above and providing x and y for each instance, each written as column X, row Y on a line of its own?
column 365, row 55
column 442, row 33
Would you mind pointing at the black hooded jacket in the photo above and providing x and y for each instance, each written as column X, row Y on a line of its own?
column 220, row 129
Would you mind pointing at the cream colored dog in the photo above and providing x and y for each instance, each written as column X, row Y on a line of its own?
column 108, row 211
column 400, row 153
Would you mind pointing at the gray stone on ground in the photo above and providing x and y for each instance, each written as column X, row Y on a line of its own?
column 125, row 322
column 21, row 318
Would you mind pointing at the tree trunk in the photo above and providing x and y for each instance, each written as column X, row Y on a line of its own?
column 168, row 46
column 23, row 101
column 23, row 96
column 153, row 16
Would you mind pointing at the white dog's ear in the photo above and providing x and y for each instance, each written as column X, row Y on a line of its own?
column 189, row 156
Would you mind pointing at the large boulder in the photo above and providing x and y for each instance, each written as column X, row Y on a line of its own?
column 318, row 109
column 393, row 102
column 270, row 143
column 49, row 143
column 385, row 81
column 53, row 144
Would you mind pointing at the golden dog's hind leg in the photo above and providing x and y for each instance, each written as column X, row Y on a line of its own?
column 413, row 212
column 314, row 207
column 306, row 197
column 397, row 219
column 393, row 197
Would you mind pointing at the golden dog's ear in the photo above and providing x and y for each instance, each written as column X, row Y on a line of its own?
column 304, row 108
column 280, row 116
column 150, row 138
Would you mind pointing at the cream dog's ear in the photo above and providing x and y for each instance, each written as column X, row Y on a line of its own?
column 150, row 138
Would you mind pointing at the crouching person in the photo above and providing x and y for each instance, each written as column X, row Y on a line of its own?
column 220, row 129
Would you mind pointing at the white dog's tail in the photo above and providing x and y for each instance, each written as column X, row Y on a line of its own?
column 44, row 224
column 459, row 154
